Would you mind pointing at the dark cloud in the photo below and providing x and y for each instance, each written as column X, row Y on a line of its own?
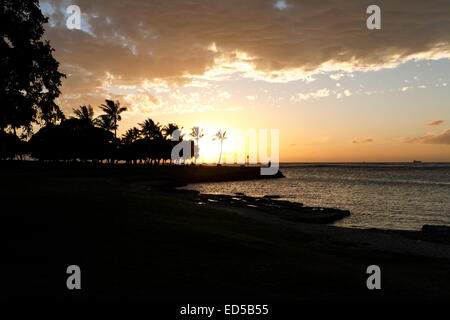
column 431, row 138
column 169, row 39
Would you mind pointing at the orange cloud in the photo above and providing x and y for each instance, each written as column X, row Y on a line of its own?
column 366, row 140
column 435, row 123
column 431, row 138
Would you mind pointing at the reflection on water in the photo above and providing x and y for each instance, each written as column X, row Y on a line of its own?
column 399, row 196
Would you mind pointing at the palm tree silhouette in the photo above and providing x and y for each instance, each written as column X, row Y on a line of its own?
column 104, row 122
column 150, row 129
column 113, row 110
column 197, row 134
column 169, row 129
column 221, row 137
column 131, row 135
column 85, row 114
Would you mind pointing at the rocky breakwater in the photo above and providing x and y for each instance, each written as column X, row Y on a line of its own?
column 292, row 211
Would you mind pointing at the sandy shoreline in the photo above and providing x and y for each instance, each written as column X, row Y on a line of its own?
column 415, row 243
column 382, row 240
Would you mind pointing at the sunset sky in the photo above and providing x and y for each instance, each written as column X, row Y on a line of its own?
column 335, row 90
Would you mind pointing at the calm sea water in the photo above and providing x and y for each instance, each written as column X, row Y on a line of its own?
column 392, row 196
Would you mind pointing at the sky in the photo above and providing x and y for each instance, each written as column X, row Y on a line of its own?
column 334, row 89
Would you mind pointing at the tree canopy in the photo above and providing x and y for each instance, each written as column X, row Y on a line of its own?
column 30, row 78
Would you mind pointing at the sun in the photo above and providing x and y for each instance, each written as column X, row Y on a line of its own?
column 210, row 150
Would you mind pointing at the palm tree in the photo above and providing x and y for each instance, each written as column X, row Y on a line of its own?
column 104, row 122
column 220, row 136
column 131, row 135
column 113, row 110
column 150, row 129
column 169, row 129
column 85, row 114
column 197, row 134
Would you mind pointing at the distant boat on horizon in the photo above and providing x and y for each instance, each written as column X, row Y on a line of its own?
column 417, row 162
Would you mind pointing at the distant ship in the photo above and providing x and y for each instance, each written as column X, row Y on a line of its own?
column 417, row 162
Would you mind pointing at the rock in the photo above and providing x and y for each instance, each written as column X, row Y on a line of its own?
column 283, row 209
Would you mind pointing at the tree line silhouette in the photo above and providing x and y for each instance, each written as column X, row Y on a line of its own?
column 84, row 137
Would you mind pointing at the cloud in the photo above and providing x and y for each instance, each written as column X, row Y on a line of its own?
column 366, row 140
column 321, row 93
column 337, row 76
column 431, row 138
column 141, row 103
column 177, row 41
column 435, row 123
column 280, row 5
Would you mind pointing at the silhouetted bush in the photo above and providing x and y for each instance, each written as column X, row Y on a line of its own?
column 10, row 146
column 72, row 140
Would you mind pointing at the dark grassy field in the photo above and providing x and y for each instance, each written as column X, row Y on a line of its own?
column 143, row 245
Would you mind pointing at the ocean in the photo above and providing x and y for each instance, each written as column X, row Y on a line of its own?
column 401, row 196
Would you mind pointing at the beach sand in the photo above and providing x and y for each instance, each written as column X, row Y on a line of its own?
column 403, row 242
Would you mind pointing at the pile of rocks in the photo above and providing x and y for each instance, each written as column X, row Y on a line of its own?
column 293, row 211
